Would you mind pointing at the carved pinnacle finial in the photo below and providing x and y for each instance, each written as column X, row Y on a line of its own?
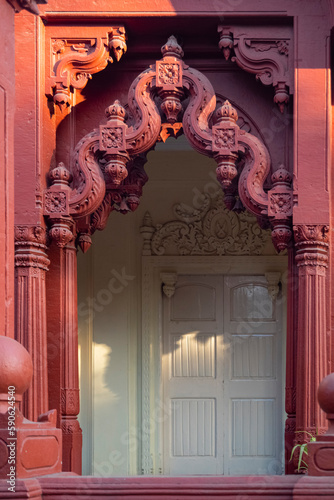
column 282, row 177
column 60, row 175
column 226, row 41
column 116, row 110
column 172, row 48
column 226, row 112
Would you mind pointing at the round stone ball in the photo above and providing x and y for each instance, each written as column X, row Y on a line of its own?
column 15, row 367
column 326, row 394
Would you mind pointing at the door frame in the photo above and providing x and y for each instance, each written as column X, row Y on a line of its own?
column 153, row 411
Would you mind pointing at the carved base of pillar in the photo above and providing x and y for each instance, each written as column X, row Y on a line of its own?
column 36, row 450
column 72, row 445
column 289, row 438
column 321, row 457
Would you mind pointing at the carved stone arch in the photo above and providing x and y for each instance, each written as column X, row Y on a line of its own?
column 107, row 172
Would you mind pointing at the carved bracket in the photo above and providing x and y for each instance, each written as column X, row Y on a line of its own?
column 75, row 60
column 168, row 283
column 267, row 58
column 30, row 5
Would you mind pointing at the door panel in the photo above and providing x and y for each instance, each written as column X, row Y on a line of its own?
column 222, row 377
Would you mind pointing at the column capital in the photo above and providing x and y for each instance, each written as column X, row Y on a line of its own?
column 312, row 243
column 30, row 247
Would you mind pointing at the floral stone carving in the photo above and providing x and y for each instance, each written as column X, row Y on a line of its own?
column 210, row 230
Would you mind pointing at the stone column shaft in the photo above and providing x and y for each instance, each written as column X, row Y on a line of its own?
column 31, row 264
column 312, row 349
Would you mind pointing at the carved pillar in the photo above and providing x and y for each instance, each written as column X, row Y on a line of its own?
column 70, row 403
column 311, row 242
column 31, row 263
column 63, row 349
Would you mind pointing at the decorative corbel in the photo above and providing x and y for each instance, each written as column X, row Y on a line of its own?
column 75, row 60
column 30, row 5
column 169, row 281
column 267, row 58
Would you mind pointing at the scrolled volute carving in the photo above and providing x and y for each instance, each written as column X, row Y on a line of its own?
column 75, row 60
column 266, row 58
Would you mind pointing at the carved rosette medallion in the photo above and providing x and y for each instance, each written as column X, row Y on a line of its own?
column 55, row 202
column 111, row 138
column 224, row 138
column 169, row 74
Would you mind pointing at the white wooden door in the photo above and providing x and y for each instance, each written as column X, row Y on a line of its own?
column 222, row 377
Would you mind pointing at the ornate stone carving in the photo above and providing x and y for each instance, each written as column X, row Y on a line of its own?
column 311, row 242
column 76, row 60
column 103, row 158
column 225, row 41
column 168, row 283
column 266, row 58
column 210, row 230
column 30, row 247
column 55, row 202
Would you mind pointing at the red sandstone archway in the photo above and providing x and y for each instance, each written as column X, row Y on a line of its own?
column 107, row 174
